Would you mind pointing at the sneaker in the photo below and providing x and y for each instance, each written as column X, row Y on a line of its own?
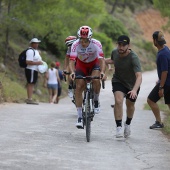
column 70, row 93
column 29, row 101
column 119, row 133
column 96, row 107
column 157, row 125
column 79, row 123
column 127, row 130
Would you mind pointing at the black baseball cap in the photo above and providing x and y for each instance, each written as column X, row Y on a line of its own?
column 159, row 36
column 123, row 39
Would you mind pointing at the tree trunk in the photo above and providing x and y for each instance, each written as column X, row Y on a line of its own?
column 7, row 36
column 114, row 7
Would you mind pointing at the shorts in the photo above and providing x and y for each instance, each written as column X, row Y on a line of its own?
column 85, row 69
column 154, row 96
column 52, row 86
column 31, row 76
column 119, row 87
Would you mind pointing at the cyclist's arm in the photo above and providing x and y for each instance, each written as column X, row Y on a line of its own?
column 72, row 65
column 102, row 65
column 66, row 62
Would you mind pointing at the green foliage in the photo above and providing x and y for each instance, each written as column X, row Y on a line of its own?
column 12, row 91
column 51, row 21
column 113, row 28
column 146, row 45
column 163, row 6
column 106, row 43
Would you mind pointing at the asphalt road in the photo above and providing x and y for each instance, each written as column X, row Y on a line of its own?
column 44, row 137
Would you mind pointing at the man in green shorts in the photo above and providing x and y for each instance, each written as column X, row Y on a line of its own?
column 126, row 82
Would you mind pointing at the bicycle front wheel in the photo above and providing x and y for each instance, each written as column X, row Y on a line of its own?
column 87, row 117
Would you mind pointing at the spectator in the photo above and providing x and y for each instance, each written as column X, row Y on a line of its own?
column 33, row 59
column 52, row 81
column 59, row 84
column 126, row 83
column 162, row 87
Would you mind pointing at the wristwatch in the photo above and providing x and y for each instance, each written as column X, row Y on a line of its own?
column 160, row 87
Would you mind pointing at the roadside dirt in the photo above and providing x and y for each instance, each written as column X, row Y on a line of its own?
column 150, row 21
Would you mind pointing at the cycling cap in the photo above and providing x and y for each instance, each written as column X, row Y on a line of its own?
column 35, row 40
column 69, row 40
column 85, row 32
column 43, row 68
column 158, row 35
column 123, row 39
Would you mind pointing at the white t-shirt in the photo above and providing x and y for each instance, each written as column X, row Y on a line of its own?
column 88, row 54
column 52, row 76
column 31, row 57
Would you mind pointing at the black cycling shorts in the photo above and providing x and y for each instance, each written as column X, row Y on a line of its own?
column 119, row 87
column 154, row 96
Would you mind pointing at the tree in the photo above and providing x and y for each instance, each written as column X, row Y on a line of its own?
column 50, row 20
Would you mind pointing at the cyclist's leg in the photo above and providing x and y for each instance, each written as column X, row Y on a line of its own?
column 96, row 82
column 70, row 92
column 80, row 86
column 94, row 66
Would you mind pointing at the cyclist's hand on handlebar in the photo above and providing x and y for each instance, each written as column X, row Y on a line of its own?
column 72, row 76
column 64, row 71
column 102, row 75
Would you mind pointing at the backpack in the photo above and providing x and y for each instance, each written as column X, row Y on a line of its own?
column 22, row 58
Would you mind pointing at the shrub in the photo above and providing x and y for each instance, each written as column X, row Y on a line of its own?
column 113, row 28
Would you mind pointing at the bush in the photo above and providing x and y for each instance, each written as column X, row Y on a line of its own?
column 113, row 28
column 106, row 43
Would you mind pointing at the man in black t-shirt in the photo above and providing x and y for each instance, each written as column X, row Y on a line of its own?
column 126, row 82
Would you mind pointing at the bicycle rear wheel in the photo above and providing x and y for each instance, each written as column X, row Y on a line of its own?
column 87, row 117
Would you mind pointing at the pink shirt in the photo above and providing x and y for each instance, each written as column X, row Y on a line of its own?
column 89, row 54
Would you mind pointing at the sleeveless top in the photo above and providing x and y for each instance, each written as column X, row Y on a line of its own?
column 52, row 76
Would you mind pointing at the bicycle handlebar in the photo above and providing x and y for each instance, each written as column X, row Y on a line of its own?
column 65, row 73
column 90, row 78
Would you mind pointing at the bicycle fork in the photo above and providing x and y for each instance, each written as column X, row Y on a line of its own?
column 88, row 98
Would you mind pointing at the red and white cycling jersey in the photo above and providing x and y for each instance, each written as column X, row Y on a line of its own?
column 68, row 51
column 88, row 54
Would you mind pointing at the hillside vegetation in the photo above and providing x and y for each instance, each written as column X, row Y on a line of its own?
column 52, row 21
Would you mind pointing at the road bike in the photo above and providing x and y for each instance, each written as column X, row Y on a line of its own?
column 88, row 103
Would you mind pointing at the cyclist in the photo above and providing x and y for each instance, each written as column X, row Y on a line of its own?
column 89, row 57
column 69, row 41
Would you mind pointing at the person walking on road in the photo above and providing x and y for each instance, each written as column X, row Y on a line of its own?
column 33, row 60
column 51, row 81
column 60, row 73
column 126, row 82
column 162, row 88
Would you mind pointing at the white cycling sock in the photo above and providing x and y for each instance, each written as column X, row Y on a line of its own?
column 79, row 112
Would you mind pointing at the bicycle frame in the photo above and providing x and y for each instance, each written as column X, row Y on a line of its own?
column 88, row 104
